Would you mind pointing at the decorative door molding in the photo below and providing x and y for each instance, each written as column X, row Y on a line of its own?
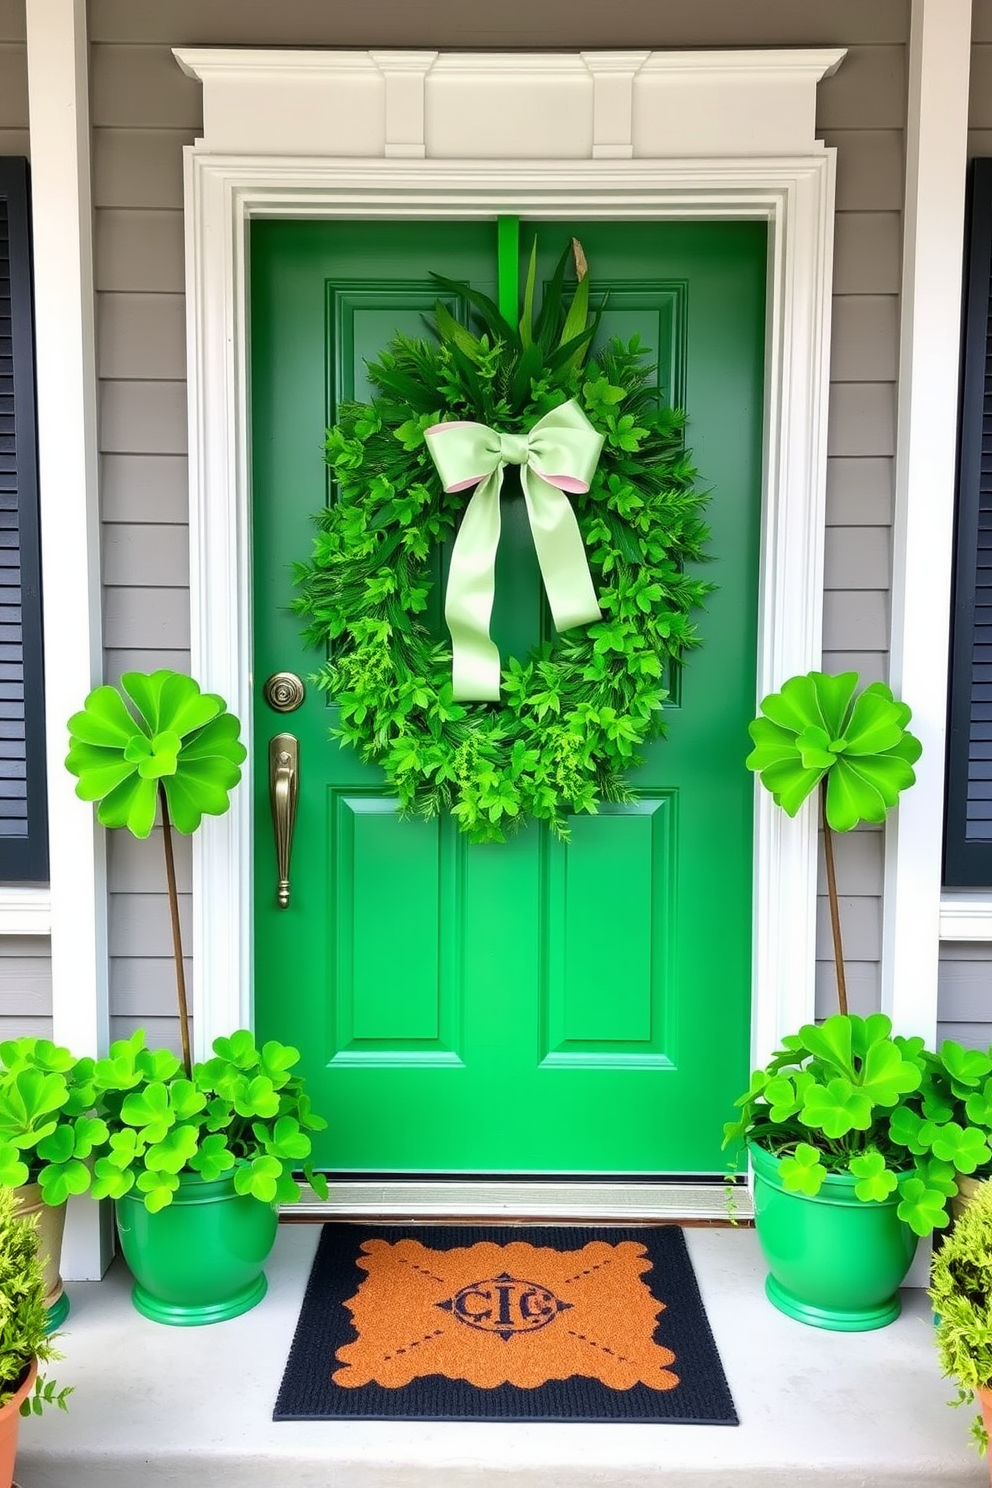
column 706, row 135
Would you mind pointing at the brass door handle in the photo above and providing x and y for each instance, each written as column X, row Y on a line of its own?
column 284, row 786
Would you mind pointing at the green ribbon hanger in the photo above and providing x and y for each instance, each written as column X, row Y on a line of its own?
column 559, row 454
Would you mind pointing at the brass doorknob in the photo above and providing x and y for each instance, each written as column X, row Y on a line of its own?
column 284, row 787
column 284, row 692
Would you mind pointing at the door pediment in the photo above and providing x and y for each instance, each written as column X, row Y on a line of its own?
column 511, row 106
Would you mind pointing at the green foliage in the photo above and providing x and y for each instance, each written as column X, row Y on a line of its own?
column 961, row 1291
column 173, row 736
column 576, row 712
column 243, row 1112
column 47, row 1129
column 23, row 1318
column 848, row 1097
column 815, row 728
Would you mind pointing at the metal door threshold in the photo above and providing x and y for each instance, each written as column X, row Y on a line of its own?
column 558, row 1200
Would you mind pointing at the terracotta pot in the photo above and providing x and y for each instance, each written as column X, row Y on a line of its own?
column 985, row 1401
column 967, row 1189
column 51, row 1224
column 10, row 1416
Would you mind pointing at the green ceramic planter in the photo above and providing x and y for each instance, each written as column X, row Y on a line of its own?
column 834, row 1261
column 200, row 1259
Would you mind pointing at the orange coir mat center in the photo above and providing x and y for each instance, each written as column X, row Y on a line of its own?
column 472, row 1322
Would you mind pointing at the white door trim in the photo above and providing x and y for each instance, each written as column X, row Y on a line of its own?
column 434, row 137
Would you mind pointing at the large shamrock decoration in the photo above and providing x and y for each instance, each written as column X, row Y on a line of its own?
column 815, row 729
column 173, row 739
column 174, row 747
column 857, row 749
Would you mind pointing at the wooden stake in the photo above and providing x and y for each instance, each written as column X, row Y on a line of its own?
column 177, row 937
column 828, row 852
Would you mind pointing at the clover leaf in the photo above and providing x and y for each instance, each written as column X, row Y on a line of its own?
column 922, row 1208
column 259, row 1178
column 149, row 1109
column 158, row 1188
column 37, row 1053
column 125, row 1147
column 239, row 1049
column 965, row 1066
column 938, row 1175
column 831, row 1042
column 782, row 1098
column 965, row 1147
column 213, row 1159
column 875, row 1181
column 255, row 1097
column 13, row 1172
column 174, row 1151
column 111, row 1181
column 276, row 1060
column 59, row 1180
column 287, row 1139
column 905, row 1127
column 29, row 1104
column 885, row 1075
column 172, row 738
column 803, row 1171
column 978, row 1105
column 815, row 729
column 837, row 1108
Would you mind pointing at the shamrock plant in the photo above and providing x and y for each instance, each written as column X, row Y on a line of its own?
column 47, row 1126
column 961, row 1293
column 157, row 744
column 24, row 1332
column 242, row 1112
column 849, row 1097
column 857, row 749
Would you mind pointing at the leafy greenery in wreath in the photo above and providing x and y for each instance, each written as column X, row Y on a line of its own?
column 564, row 724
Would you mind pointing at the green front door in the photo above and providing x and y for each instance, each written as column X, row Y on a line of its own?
column 528, row 1007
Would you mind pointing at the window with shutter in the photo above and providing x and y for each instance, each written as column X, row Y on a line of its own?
column 968, row 838
column 23, row 811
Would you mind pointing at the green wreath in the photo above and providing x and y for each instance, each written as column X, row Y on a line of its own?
column 572, row 715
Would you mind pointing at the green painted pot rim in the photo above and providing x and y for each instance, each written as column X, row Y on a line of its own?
column 194, row 1189
column 837, row 1188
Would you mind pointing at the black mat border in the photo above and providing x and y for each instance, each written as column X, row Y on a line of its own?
column 309, row 1394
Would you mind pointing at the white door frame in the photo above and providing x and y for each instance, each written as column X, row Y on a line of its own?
column 393, row 135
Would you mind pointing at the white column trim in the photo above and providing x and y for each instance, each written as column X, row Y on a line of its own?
column 792, row 190
column 926, row 454
column 58, row 96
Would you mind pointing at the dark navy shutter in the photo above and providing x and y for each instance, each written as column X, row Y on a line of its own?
column 23, row 808
column 968, row 841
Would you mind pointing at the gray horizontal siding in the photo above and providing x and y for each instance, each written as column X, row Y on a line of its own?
column 25, row 986
column 513, row 23
column 858, row 858
column 144, row 110
column 966, row 993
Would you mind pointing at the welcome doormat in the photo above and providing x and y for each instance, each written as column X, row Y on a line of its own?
column 473, row 1322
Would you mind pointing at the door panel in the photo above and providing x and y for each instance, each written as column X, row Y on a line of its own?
column 534, row 1006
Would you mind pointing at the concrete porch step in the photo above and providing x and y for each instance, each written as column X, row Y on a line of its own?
column 159, row 1407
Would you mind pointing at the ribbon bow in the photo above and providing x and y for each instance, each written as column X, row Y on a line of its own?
column 559, row 454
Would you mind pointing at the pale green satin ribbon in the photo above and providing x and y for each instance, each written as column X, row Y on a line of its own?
column 559, row 454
